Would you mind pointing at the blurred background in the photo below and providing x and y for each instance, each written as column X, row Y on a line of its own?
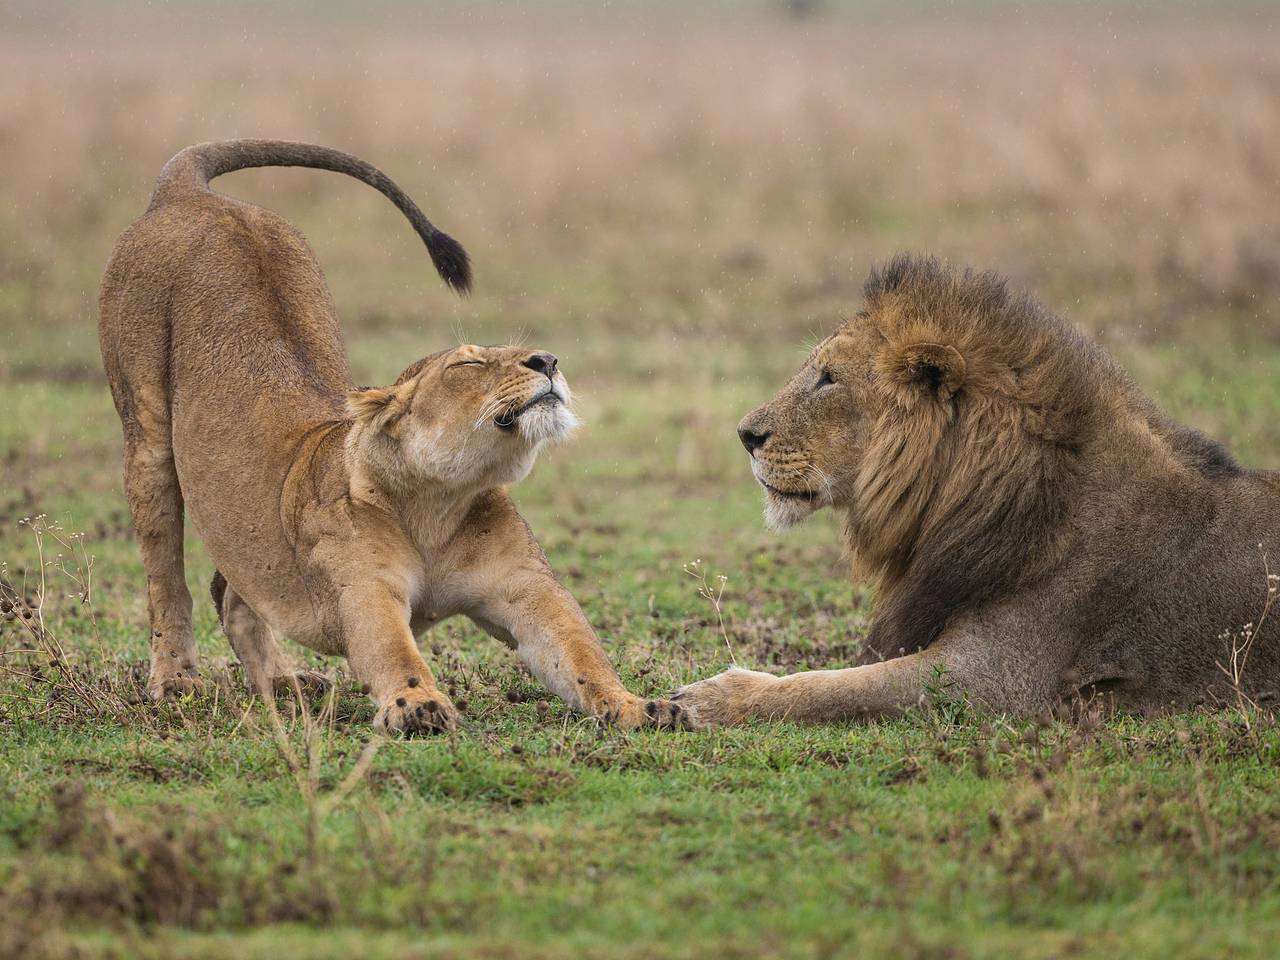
column 676, row 198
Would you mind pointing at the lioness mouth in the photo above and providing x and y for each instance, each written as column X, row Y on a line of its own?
column 507, row 419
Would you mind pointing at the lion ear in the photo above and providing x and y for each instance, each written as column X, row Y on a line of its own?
column 936, row 368
column 376, row 406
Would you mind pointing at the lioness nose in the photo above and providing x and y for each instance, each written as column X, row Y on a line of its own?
column 751, row 440
column 544, row 363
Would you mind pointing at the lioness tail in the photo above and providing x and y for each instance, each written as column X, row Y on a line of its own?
column 192, row 169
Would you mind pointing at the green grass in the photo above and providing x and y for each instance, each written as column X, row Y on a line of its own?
column 180, row 831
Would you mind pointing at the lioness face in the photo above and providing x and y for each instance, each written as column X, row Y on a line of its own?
column 805, row 443
column 470, row 416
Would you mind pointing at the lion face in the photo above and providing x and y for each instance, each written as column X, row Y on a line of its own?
column 474, row 416
column 805, row 443
column 859, row 426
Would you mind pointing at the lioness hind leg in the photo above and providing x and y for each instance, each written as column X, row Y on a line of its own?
column 155, row 501
column 268, row 669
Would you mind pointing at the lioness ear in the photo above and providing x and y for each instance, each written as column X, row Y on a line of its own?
column 936, row 368
column 378, row 407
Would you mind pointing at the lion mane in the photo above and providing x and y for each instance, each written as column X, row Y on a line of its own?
column 960, row 503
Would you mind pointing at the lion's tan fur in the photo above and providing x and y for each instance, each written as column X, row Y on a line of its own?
column 1035, row 524
column 347, row 520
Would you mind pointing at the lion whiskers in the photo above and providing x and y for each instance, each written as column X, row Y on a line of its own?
column 825, row 483
column 488, row 411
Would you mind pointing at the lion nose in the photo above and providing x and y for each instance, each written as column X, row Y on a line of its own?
column 544, row 363
column 751, row 440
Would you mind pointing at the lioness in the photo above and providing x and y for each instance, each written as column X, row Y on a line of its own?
column 348, row 520
column 1039, row 529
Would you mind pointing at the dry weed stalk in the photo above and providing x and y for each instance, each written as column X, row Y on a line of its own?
column 1241, row 645
column 26, row 607
column 712, row 596
column 306, row 768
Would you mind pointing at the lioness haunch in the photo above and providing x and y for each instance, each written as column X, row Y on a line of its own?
column 347, row 520
column 1039, row 529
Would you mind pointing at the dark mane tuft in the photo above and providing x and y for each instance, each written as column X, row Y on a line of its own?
column 1204, row 453
column 929, row 281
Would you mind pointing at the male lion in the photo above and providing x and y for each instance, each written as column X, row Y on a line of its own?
column 1039, row 529
column 348, row 520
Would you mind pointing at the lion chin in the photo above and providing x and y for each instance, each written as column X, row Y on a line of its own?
column 783, row 513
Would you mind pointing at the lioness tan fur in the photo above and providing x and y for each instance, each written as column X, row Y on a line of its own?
column 1039, row 529
column 347, row 520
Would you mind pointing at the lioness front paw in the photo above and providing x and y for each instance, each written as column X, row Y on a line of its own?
column 727, row 698
column 417, row 710
column 636, row 712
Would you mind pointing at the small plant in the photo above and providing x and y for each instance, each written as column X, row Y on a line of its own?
column 44, row 660
column 712, row 595
column 306, row 768
column 1240, row 645
column 943, row 701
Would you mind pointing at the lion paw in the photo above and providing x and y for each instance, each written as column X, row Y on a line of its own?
column 415, row 710
column 308, row 683
column 667, row 715
column 636, row 712
column 173, row 686
column 725, row 699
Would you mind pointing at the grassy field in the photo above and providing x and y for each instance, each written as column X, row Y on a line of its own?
column 675, row 203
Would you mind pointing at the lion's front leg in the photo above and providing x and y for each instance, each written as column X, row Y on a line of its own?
column 731, row 697
column 526, row 607
column 382, row 653
column 857, row 693
column 556, row 643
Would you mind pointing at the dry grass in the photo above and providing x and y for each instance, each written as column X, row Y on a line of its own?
column 703, row 161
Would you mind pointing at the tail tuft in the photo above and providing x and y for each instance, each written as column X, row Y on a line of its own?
column 451, row 260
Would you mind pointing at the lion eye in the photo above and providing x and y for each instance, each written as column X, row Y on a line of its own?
column 465, row 363
column 824, row 380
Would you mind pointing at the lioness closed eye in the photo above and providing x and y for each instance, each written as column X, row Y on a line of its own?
column 348, row 520
column 1039, row 528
